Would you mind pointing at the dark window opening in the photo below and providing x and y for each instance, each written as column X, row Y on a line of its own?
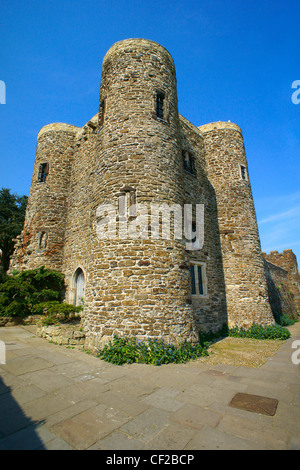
column 101, row 112
column 160, row 105
column 199, row 280
column 193, row 280
column 188, row 162
column 43, row 172
column 243, row 172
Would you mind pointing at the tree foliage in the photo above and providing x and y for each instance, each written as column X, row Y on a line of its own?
column 12, row 215
column 22, row 293
column 35, row 291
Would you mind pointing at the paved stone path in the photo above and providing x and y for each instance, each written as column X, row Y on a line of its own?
column 52, row 397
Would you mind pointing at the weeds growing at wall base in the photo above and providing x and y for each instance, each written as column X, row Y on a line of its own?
column 125, row 350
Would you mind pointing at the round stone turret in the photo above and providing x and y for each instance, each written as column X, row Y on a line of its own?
column 145, row 280
column 41, row 241
column 227, row 170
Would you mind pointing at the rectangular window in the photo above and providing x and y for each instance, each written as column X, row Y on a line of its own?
column 43, row 172
column 101, row 112
column 200, row 281
column 188, row 162
column 160, row 105
column 193, row 280
column 198, row 278
column 243, row 172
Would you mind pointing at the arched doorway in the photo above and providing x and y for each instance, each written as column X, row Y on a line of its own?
column 79, row 284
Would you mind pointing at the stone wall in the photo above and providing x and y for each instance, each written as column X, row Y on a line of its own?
column 210, row 310
column 227, row 171
column 282, row 271
column 42, row 239
column 133, row 148
column 133, row 286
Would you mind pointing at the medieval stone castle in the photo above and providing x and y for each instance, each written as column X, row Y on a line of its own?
column 139, row 147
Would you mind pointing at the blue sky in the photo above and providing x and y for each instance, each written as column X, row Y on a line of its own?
column 235, row 60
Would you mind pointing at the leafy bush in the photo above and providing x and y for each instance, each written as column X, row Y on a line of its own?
column 260, row 332
column 56, row 312
column 285, row 320
column 123, row 350
column 34, row 291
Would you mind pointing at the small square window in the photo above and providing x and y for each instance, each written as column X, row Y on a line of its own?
column 43, row 172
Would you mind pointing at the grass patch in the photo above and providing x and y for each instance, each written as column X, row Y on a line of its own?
column 243, row 352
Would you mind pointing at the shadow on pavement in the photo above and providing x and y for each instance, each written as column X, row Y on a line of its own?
column 17, row 431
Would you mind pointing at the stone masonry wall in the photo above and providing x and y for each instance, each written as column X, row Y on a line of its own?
column 137, row 284
column 287, row 261
column 210, row 310
column 246, row 288
column 280, row 298
column 42, row 239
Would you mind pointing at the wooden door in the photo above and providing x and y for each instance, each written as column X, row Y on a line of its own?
column 79, row 287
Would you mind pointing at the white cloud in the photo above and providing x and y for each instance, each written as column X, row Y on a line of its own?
column 282, row 215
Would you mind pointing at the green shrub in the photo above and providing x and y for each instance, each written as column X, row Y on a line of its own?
column 56, row 312
column 34, row 291
column 123, row 350
column 260, row 332
column 285, row 320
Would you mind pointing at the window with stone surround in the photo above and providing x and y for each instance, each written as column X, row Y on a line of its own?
column 198, row 279
column 43, row 172
column 160, row 105
column 127, row 203
column 188, row 162
column 243, row 172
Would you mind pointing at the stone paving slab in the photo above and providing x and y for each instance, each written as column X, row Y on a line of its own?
column 52, row 397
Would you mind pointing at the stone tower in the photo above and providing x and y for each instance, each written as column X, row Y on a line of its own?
column 42, row 240
column 90, row 210
column 227, row 170
column 135, row 285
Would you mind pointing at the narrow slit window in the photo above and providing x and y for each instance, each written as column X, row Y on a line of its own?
column 160, row 105
column 200, row 281
column 101, row 112
column 193, row 280
column 243, row 172
column 43, row 172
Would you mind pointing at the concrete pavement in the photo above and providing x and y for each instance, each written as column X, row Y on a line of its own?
column 53, row 398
